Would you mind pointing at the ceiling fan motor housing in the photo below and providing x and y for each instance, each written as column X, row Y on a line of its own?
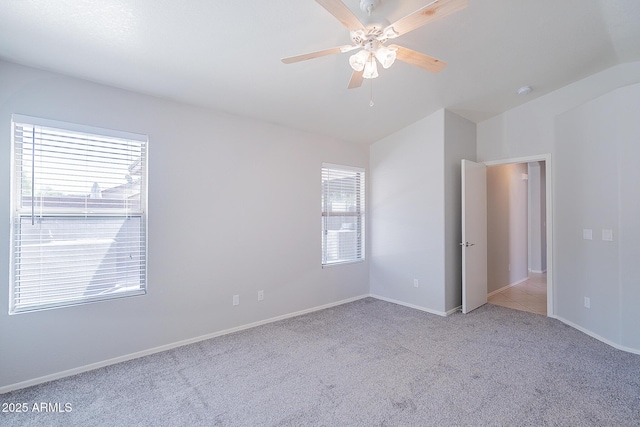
column 369, row 39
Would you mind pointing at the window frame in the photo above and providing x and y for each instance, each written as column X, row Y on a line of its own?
column 359, row 174
column 86, row 215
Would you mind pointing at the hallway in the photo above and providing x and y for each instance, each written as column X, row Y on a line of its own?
column 530, row 295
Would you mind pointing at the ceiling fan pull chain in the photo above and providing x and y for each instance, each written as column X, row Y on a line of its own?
column 371, row 93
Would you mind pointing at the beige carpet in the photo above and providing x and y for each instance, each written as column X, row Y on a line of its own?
column 367, row 363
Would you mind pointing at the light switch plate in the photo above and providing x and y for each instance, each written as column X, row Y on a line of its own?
column 587, row 234
column 607, row 234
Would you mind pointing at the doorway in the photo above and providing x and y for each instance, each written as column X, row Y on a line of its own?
column 519, row 267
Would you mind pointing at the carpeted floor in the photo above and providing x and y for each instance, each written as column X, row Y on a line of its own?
column 367, row 363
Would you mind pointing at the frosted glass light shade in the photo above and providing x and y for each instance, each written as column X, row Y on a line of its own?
column 358, row 60
column 386, row 56
column 370, row 69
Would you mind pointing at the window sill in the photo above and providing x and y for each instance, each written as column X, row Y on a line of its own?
column 335, row 264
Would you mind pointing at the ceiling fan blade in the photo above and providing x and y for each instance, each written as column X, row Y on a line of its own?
column 356, row 79
column 342, row 13
column 318, row 54
column 429, row 13
column 418, row 59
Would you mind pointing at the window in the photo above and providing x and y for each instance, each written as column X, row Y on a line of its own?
column 342, row 214
column 78, row 214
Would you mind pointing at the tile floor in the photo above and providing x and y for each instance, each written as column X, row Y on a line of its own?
column 530, row 295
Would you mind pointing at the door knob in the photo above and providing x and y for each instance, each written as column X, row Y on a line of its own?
column 467, row 244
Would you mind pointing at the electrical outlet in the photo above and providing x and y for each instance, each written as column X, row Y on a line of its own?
column 236, row 299
column 587, row 302
column 416, row 283
column 260, row 295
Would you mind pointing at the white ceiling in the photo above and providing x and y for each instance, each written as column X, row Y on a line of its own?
column 225, row 54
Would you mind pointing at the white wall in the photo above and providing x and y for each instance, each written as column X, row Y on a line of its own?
column 597, row 188
column 459, row 143
column 233, row 209
column 594, row 185
column 407, row 214
column 415, row 212
column 537, row 217
column 628, row 214
column 497, row 227
column 507, row 225
column 528, row 130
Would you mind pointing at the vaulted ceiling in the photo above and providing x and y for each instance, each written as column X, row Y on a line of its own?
column 225, row 54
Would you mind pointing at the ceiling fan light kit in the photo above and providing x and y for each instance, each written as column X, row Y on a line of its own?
column 371, row 51
column 371, row 38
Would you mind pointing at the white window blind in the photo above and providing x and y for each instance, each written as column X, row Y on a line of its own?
column 78, row 214
column 343, row 191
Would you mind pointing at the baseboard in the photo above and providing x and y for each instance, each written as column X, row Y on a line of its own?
column 596, row 336
column 136, row 355
column 507, row 287
column 417, row 307
column 538, row 271
column 454, row 310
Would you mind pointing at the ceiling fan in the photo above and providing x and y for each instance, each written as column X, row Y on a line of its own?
column 371, row 38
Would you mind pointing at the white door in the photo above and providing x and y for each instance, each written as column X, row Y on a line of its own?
column 474, row 235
